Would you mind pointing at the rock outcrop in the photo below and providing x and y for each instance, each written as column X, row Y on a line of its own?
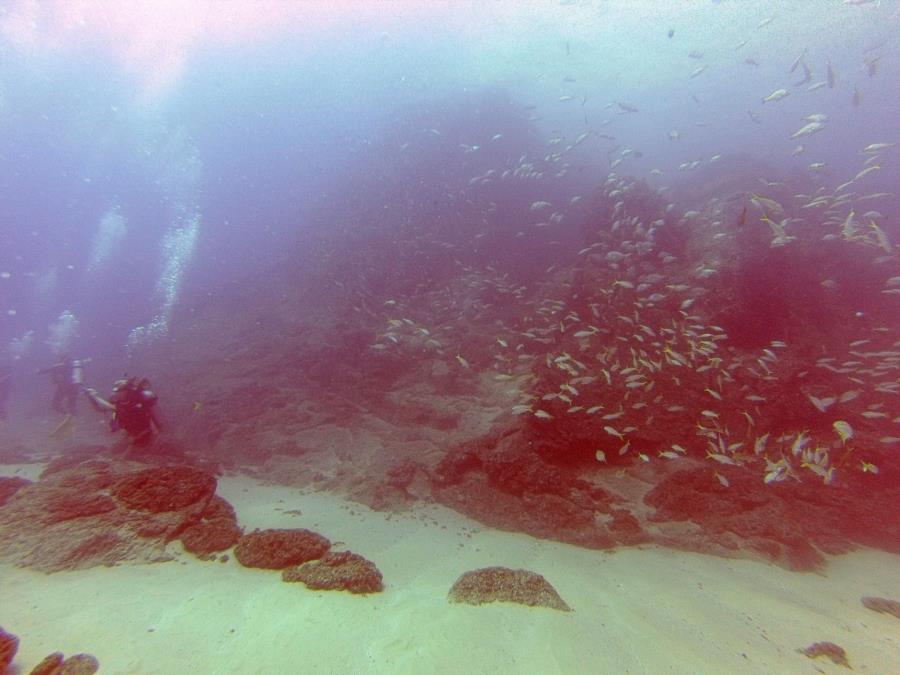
column 87, row 512
column 276, row 549
column 501, row 584
column 343, row 571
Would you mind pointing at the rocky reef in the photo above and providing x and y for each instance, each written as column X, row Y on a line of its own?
column 587, row 359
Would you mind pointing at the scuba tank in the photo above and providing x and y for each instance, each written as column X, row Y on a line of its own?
column 77, row 372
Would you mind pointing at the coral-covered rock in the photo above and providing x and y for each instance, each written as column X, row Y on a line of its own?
column 80, row 664
column 829, row 650
column 9, row 645
column 501, row 584
column 55, row 664
column 626, row 527
column 882, row 605
column 217, row 531
column 788, row 524
column 344, row 571
column 69, row 504
column 210, row 536
column 167, row 488
column 502, row 483
column 277, row 549
column 50, row 665
column 99, row 512
column 9, row 486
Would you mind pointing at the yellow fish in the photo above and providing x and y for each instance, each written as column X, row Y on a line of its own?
column 843, row 429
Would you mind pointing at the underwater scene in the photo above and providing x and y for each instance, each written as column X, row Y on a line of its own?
column 449, row 336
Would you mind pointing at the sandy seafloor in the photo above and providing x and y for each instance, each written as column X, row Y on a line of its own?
column 647, row 610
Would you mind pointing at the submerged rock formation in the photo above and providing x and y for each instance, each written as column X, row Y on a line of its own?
column 343, row 571
column 57, row 664
column 595, row 363
column 9, row 645
column 84, row 512
column 276, row 549
column 501, row 584
column 882, row 605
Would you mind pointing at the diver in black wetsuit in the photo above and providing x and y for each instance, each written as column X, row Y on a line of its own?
column 133, row 408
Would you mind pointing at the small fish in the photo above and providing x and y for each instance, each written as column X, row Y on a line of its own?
column 830, row 77
column 821, row 403
column 843, row 429
column 868, row 468
column 721, row 479
column 867, row 171
column 600, row 456
column 808, row 129
column 503, row 343
column 613, row 432
column 643, row 457
column 543, row 414
column 776, row 95
column 877, row 147
column 462, row 361
column 720, row 458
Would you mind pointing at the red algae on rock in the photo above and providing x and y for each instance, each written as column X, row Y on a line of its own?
column 882, row 605
column 500, row 584
column 828, row 649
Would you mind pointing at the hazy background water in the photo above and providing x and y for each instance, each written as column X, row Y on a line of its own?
column 152, row 157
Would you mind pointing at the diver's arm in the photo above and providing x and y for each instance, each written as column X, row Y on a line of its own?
column 99, row 403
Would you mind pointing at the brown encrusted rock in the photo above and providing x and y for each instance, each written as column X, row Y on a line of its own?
column 501, row 584
column 9, row 645
column 55, row 664
column 277, row 549
column 217, row 531
column 50, row 665
column 828, row 649
column 211, row 536
column 9, row 485
column 344, row 571
column 882, row 605
column 81, row 514
column 167, row 488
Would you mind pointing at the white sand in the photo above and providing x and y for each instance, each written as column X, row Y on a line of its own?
column 636, row 610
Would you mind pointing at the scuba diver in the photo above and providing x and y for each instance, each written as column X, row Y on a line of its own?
column 67, row 378
column 5, row 386
column 133, row 408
